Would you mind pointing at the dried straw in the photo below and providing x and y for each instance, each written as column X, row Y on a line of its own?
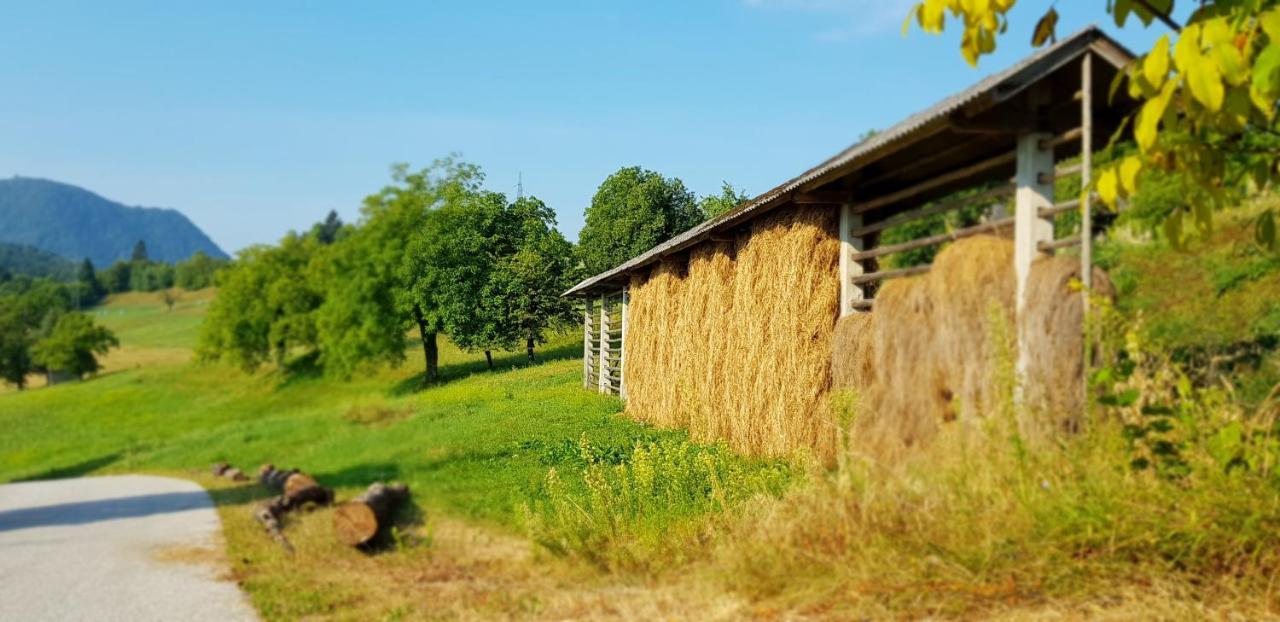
column 735, row 344
column 938, row 348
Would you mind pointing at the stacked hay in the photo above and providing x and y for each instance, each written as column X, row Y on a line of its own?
column 940, row 347
column 1055, row 342
column 735, row 344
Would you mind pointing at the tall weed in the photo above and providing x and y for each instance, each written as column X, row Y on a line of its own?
column 654, row 506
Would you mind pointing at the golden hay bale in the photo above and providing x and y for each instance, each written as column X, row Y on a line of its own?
column 735, row 344
column 852, row 359
column 939, row 347
column 1051, row 331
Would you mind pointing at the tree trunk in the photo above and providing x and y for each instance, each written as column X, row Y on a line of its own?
column 488, row 358
column 430, row 351
column 358, row 521
column 529, row 344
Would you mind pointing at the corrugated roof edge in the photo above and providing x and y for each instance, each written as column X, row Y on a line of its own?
column 1002, row 85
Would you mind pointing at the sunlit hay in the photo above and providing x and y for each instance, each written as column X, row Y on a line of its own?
column 1051, row 328
column 852, row 358
column 928, row 348
column 939, row 348
column 734, row 344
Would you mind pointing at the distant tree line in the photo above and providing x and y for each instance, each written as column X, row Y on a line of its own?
column 141, row 274
column 435, row 253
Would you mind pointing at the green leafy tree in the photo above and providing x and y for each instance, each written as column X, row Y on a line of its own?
column 452, row 261
column 117, row 277
column 1208, row 94
column 528, row 282
column 73, row 345
column 633, row 210
column 139, row 252
column 91, row 289
column 369, row 302
column 714, row 205
column 265, row 309
column 197, row 271
column 328, row 230
column 15, row 344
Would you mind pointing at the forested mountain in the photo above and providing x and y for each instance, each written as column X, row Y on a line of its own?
column 76, row 223
column 23, row 259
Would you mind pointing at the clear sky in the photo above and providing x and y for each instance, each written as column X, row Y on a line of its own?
column 254, row 118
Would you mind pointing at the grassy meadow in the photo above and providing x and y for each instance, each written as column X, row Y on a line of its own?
column 534, row 499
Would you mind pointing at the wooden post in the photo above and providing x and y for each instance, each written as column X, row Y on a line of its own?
column 849, row 267
column 586, row 343
column 603, row 384
column 1034, row 181
column 1086, row 175
column 1086, row 212
column 622, row 355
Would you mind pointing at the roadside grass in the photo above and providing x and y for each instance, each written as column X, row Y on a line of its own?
column 476, row 450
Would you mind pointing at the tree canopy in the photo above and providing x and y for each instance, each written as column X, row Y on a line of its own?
column 632, row 211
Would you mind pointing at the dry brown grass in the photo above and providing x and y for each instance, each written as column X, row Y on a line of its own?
column 733, row 344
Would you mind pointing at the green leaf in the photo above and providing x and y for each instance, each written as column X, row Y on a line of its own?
column 1266, row 230
column 1046, row 28
column 1266, row 77
column 1121, row 10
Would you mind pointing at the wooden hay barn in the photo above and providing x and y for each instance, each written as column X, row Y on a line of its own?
column 726, row 329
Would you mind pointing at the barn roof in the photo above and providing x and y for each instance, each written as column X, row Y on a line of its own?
column 984, row 97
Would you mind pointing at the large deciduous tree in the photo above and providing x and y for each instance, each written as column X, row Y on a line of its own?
column 368, row 304
column 633, row 210
column 529, row 282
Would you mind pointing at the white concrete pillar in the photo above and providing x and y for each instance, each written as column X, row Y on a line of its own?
column 1034, row 191
column 849, row 268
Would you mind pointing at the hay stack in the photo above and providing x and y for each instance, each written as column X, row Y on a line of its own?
column 734, row 344
column 939, row 347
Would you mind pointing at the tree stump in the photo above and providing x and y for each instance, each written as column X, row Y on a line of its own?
column 358, row 521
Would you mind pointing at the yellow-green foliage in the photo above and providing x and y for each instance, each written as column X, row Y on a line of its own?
column 647, row 507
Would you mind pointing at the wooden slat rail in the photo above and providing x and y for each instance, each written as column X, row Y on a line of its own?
column 1045, row 247
column 936, row 182
column 885, row 275
column 933, row 240
column 936, row 208
column 1068, row 136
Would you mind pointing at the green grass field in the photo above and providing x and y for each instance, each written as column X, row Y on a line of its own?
column 473, row 445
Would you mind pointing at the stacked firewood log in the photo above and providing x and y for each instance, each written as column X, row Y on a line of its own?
column 356, row 522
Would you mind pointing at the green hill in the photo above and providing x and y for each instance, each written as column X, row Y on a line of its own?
column 76, row 223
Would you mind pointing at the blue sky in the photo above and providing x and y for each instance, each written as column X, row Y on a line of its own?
column 256, row 118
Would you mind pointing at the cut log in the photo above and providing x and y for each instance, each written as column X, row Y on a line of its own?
column 294, row 485
column 358, row 521
column 223, row 469
column 269, row 514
